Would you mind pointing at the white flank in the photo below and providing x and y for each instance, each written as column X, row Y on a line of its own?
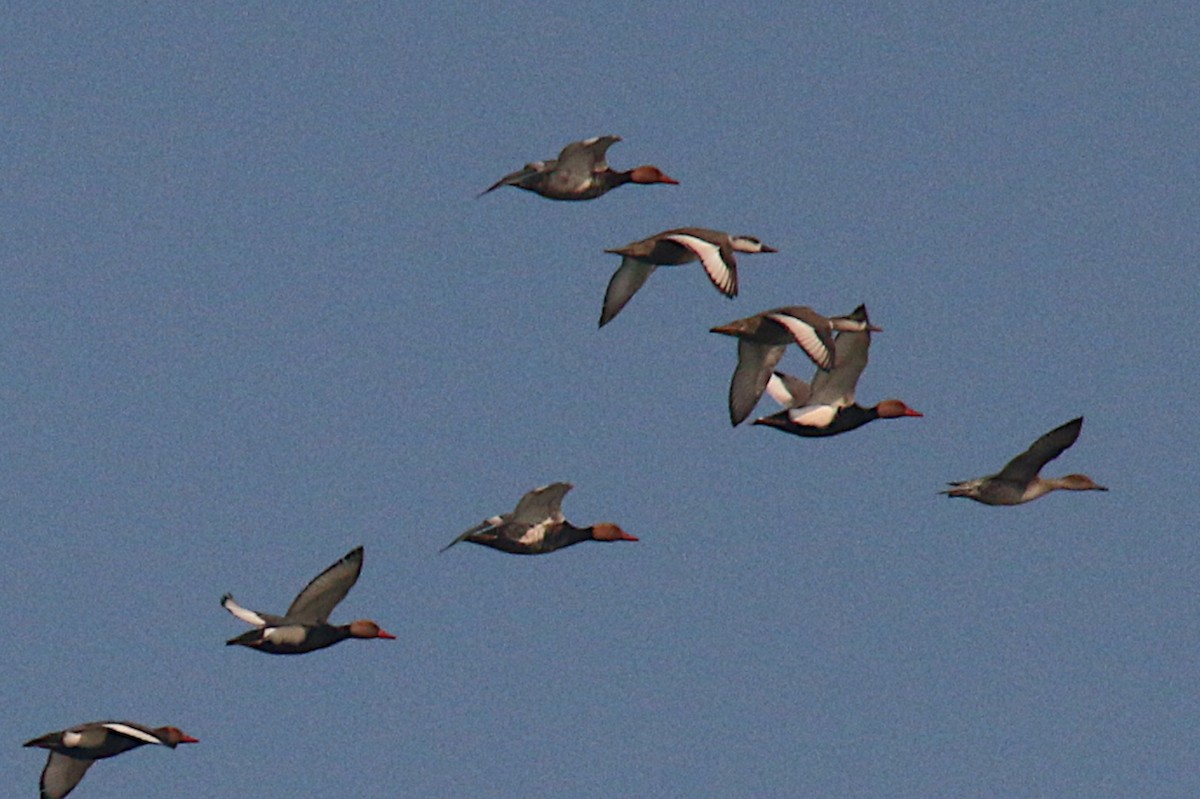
column 806, row 337
column 534, row 535
column 132, row 732
column 813, row 415
column 71, row 738
column 289, row 634
column 710, row 256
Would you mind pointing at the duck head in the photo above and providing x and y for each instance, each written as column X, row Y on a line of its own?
column 604, row 531
column 1079, row 482
column 894, row 408
column 365, row 628
column 650, row 174
column 750, row 244
column 173, row 736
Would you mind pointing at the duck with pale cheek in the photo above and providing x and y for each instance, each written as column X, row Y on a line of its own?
column 579, row 173
column 827, row 407
column 537, row 526
column 714, row 249
column 305, row 627
column 1018, row 482
column 74, row 750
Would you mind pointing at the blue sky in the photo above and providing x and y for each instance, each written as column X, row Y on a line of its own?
column 252, row 314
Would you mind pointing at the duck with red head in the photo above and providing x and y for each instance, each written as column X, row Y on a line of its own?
column 73, row 750
column 537, row 526
column 762, row 342
column 305, row 627
column 828, row 407
column 581, row 172
column 841, row 421
column 646, row 174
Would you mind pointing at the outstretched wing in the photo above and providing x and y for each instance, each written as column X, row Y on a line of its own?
column 541, row 505
column 810, row 331
column 625, row 282
column 755, row 364
column 519, row 177
column 587, row 157
column 788, row 390
column 1026, row 466
column 249, row 616
column 61, row 774
column 718, row 260
column 484, row 526
column 836, row 386
column 318, row 599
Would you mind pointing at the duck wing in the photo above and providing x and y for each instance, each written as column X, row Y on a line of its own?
column 809, row 330
column 254, row 617
column 625, row 282
column 788, row 390
column 536, row 512
column 61, row 774
column 134, row 732
column 756, row 362
column 585, row 158
column 485, row 526
column 318, row 599
column 718, row 260
column 836, row 386
column 519, row 177
column 1026, row 466
column 541, row 505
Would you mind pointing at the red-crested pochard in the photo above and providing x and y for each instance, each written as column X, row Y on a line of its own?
column 713, row 248
column 305, row 627
column 537, row 526
column 73, row 750
column 827, row 407
column 579, row 173
column 763, row 338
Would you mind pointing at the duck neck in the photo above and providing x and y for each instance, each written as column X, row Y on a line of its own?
column 612, row 179
column 327, row 635
column 570, row 534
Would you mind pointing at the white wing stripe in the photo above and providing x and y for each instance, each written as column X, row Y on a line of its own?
column 133, row 732
column 710, row 256
column 534, row 534
column 806, row 337
column 248, row 616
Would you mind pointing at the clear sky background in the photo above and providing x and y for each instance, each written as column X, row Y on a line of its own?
column 252, row 314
